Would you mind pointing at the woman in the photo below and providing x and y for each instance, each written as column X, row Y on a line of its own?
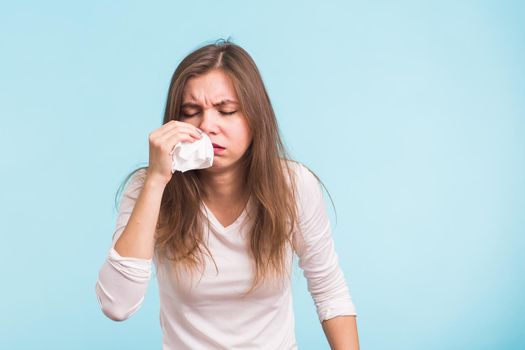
column 223, row 238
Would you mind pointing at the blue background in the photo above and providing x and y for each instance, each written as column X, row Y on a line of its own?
column 411, row 112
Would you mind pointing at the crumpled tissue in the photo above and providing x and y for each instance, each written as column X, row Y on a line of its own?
column 193, row 155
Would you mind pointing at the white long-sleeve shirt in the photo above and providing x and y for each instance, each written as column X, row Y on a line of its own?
column 209, row 311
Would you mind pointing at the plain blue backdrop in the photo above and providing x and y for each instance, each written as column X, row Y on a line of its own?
column 411, row 112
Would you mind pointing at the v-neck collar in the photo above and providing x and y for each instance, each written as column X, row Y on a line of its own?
column 231, row 226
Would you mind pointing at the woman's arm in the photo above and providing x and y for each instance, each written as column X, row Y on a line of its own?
column 315, row 248
column 341, row 333
column 138, row 238
column 123, row 278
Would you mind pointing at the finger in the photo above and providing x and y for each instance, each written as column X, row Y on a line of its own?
column 181, row 123
column 187, row 129
column 174, row 139
column 177, row 125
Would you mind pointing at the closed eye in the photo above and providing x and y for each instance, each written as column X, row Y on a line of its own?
column 185, row 115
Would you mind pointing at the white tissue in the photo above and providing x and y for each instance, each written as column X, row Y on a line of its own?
column 193, row 155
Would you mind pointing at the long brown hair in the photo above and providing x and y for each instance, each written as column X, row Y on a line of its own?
column 269, row 178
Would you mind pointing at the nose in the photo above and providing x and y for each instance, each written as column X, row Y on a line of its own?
column 208, row 123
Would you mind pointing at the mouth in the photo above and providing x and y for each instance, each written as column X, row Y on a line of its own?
column 217, row 146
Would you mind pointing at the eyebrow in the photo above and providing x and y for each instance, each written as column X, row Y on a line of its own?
column 217, row 104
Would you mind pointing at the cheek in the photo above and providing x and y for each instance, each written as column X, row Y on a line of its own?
column 245, row 130
column 246, row 136
column 189, row 120
column 192, row 121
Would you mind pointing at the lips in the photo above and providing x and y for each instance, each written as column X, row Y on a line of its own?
column 217, row 146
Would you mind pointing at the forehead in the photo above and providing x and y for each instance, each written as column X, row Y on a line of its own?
column 211, row 87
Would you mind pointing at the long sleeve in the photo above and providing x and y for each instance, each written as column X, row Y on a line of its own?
column 315, row 249
column 123, row 281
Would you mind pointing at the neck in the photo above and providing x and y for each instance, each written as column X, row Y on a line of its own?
column 225, row 187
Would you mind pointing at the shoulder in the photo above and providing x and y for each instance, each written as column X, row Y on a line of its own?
column 307, row 184
column 301, row 173
column 140, row 174
column 134, row 182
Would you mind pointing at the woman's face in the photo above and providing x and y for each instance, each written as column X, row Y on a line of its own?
column 210, row 103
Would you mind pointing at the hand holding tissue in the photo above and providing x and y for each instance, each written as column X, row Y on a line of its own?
column 193, row 155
